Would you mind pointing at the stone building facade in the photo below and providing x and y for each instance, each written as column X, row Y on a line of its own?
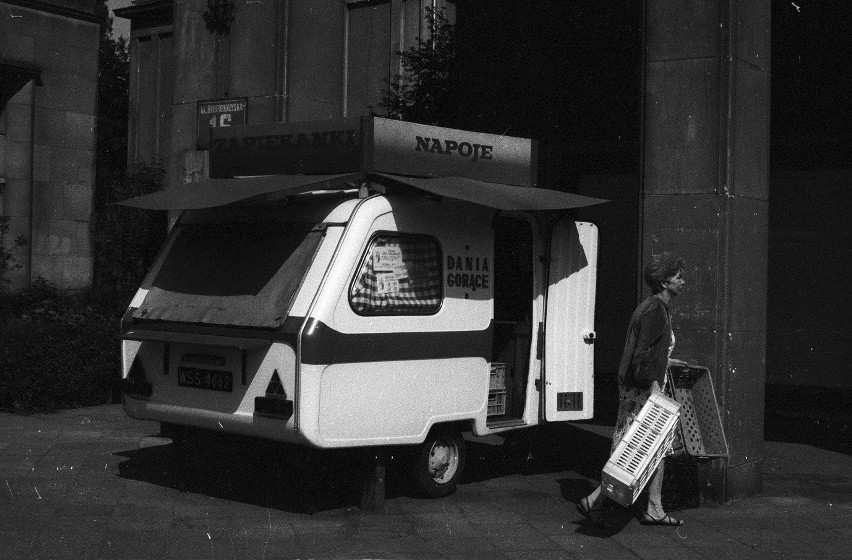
column 697, row 111
column 292, row 60
column 48, row 101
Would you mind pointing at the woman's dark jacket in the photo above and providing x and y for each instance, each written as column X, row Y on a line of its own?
column 646, row 349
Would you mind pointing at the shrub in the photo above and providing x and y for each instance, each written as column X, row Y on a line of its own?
column 58, row 351
column 7, row 256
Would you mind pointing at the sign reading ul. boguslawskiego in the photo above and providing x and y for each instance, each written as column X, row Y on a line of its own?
column 371, row 144
column 218, row 113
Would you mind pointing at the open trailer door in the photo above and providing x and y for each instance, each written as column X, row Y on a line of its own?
column 568, row 376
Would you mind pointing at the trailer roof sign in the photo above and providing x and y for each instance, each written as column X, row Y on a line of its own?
column 371, row 144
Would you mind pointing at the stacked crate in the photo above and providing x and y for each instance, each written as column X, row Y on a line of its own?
column 497, row 390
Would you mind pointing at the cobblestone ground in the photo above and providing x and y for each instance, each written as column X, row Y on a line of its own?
column 92, row 483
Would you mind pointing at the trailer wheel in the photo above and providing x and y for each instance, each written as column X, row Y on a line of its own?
column 439, row 463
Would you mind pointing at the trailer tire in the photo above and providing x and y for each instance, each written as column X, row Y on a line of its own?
column 439, row 463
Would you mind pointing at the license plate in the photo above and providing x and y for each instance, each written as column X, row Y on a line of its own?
column 199, row 378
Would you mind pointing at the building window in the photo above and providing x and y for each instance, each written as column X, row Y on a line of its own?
column 399, row 275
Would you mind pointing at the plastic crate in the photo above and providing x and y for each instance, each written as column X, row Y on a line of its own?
column 640, row 451
column 700, row 421
column 496, row 402
column 498, row 376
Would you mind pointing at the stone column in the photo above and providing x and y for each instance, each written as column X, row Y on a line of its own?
column 704, row 195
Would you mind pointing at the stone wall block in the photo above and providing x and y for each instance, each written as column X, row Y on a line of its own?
column 252, row 50
column 67, row 92
column 752, row 29
column 16, row 197
column 72, row 165
column 47, row 201
column 677, row 30
column 19, row 121
column 750, row 153
column 700, row 346
column 48, row 268
column 744, row 391
column 747, row 222
column 67, row 129
column 681, row 150
column 78, row 61
column 194, row 69
column 60, row 237
column 183, row 142
column 46, row 122
column 19, row 21
column 18, row 160
column 17, row 48
column 77, row 201
column 18, row 226
column 76, row 272
column 315, row 88
column 689, row 226
column 74, row 32
column 262, row 109
column 42, row 162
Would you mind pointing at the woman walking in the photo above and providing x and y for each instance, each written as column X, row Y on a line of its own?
column 643, row 368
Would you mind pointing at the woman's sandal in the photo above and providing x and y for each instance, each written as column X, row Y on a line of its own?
column 584, row 507
column 665, row 521
column 591, row 513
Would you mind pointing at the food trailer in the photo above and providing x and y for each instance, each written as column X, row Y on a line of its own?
column 366, row 282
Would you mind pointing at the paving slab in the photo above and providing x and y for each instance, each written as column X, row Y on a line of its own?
column 94, row 484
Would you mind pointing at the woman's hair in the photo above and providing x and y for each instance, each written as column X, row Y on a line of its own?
column 660, row 268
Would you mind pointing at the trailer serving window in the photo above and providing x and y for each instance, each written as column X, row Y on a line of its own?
column 399, row 275
column 232, row 273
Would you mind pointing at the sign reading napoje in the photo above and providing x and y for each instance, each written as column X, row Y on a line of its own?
column 421, row 150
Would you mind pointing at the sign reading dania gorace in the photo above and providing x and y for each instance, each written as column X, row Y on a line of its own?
column 371, row 144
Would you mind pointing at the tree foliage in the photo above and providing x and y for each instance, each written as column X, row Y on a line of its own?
column 113, row 73
column 422, row 93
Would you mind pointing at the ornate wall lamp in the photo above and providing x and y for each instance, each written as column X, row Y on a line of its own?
column 219, row 15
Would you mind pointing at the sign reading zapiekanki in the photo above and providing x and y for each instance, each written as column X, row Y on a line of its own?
column 218, row 113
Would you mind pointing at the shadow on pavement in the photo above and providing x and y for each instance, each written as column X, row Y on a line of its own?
column 302, row 480
column 257, row 472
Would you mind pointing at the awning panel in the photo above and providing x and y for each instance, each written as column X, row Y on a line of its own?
column 239, row 274
column 210, row 193
column 496, row 195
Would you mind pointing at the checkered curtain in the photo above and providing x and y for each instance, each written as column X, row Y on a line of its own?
column 407, row 281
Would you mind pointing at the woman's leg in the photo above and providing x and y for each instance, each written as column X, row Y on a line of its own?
column 655, row 493
column 654, row 512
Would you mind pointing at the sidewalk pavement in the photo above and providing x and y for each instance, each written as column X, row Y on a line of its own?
column 92, row 483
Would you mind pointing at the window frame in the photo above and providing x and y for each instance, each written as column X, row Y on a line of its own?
column 397, row 312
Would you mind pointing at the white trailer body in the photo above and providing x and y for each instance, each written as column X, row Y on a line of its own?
column 362, row 317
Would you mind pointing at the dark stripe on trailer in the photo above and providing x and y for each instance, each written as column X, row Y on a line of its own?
column 322, row 344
